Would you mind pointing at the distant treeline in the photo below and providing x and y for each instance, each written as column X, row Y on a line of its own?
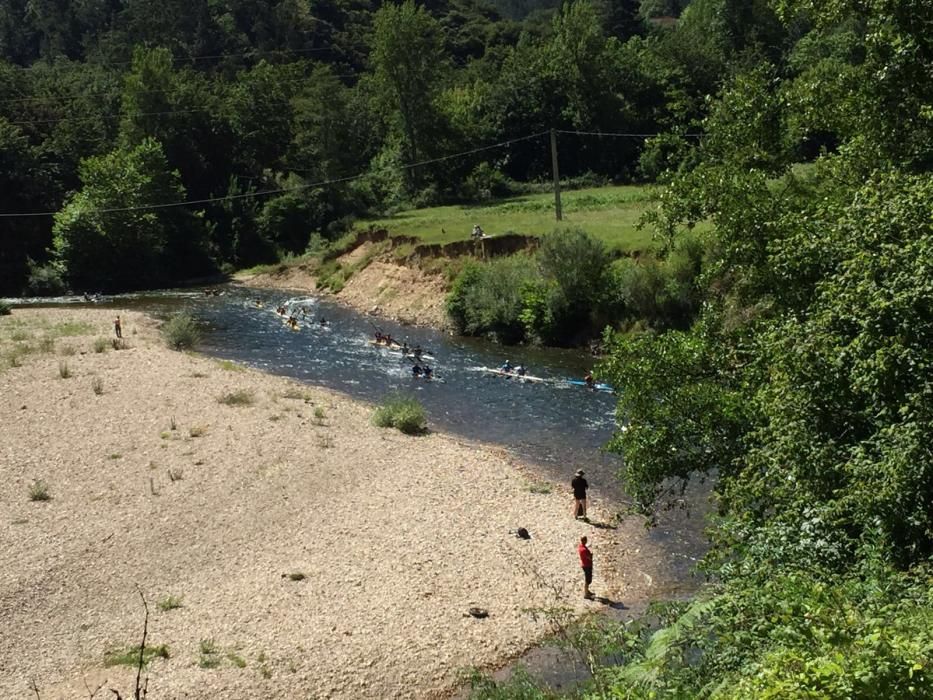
column 282, row 121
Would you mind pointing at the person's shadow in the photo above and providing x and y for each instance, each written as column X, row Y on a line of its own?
column 600, row 526
column 614, row 604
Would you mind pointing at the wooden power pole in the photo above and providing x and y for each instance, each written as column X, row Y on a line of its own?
column 557, row 211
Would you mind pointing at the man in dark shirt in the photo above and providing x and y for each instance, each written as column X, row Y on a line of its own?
column 579, row 487
column 586, row 563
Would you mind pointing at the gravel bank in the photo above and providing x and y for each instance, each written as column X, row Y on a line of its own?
column 155, row 483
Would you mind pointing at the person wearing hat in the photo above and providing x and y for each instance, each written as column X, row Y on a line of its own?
column 579, row 486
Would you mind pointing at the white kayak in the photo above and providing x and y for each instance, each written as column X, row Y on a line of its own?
column 513, row 375
column 398, row 349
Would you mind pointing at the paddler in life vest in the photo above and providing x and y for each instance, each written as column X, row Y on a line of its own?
column 520, row 370
column 506, row 367
column 590, row 382
column 416, row 370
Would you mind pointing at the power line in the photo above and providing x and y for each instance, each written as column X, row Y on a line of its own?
column 185, row 59
column 617, row 134
column 281, row 190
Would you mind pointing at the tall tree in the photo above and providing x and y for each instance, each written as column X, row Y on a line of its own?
column 107, row 237
column 409, row 64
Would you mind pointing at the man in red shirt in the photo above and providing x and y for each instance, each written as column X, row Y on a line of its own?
column 586, row 562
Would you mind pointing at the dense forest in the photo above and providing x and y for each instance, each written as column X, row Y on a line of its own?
column 277, row 123
column 799, row 376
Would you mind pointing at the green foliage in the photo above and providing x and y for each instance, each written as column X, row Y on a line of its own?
column 45, row 279
column 409, row 63
column 664, row 292
column 574, row 267
column 5, row 308
column 404, row 413
column 102, row 244
column 520, row 686
column 181, row 332
column 697, row 426
column 486, row 298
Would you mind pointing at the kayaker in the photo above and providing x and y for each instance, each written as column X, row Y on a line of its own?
column 590, row 382
column 520, row 370
column 416, row 370
column 428, row 372
column 506, row 367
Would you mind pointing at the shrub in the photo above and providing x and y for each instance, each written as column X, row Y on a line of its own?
column 45, row 279
column 181, row 332
column 662, row 292
column 402, row 412
column 63, row 371
column 487, row 298
column 97, row 384
column 5, row 308
column 100, row 345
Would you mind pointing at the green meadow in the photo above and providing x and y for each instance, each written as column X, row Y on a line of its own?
column 609, row 213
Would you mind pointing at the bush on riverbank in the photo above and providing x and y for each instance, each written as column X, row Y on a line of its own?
column 5, row 309
column 571, row 290
column 402, row 412
column 487, row 298
column 181, row 332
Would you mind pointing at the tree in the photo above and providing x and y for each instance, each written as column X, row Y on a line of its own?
column 108, row 238
column 409, row 65
column 26, row 185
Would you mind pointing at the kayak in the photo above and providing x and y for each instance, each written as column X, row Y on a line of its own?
column 398, row 349
column 512, row 375
column 598, row 387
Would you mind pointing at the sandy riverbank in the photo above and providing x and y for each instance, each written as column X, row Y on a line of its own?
column 155, row 483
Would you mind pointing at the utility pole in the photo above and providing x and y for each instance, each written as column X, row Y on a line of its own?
column 557, row 211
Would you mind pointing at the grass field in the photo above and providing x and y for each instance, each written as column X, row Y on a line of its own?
column 609, row 213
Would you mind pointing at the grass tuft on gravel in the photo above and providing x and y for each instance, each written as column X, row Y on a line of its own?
column 39, row 491
column 240, row 397
column 170, row 602
column 129, row 656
